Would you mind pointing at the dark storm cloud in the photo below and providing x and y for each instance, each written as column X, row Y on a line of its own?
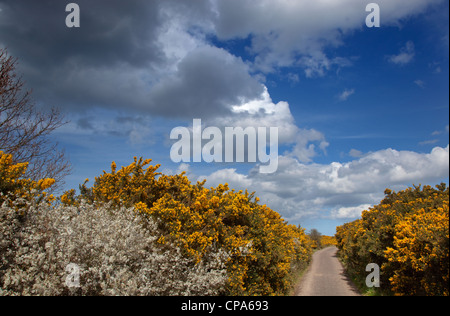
column 111, row 31
column 155, row 57
column 145, row 56
column 208, row 81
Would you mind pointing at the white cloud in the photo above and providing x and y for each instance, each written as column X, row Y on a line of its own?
column 429, row 142
column 262, row 112
column 162, row 60
column 230, row 176
column 338, row 190
column 440, row 132
column 420, row 83
column 350, row 212
column 347, row 93
column 406, row 55
column 286, row 33
column 356, row 153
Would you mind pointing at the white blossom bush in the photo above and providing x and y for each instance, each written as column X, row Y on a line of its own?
column 97, row 251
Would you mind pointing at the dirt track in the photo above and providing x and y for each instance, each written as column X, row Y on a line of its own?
column 325, row 277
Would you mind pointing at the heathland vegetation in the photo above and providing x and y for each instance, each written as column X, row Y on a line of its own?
column 136, row 231
column 407, row 236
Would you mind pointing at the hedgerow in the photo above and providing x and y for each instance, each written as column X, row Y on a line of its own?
column 116, row 255
column 139, row 232
column 263, row 248
column 407, row 235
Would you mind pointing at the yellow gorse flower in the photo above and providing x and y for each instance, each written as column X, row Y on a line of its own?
column 13, row 185
column 407, row 234
column 262, row 247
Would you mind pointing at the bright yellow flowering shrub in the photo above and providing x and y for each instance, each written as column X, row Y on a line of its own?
column 263, row 249
column 327, row 241
column 14, row 187
column 420, row 253
column 407, row 235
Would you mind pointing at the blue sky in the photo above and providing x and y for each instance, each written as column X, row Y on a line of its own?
column 358, row 109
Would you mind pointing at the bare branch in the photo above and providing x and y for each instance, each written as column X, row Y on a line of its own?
column 25, row 131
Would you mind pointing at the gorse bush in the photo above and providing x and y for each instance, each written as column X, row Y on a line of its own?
column 262, row 247
column 116, row 249
column 328, row 241
column 18, row 189
column 139, row 232
column 407, row 235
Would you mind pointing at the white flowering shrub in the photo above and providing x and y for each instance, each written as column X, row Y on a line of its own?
column 88, row 250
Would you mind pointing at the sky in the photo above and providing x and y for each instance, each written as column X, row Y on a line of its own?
column 358, row 109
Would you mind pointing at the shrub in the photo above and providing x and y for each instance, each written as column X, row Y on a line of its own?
column 139, row 232
column 419, row 256
column 18, row 190
column 262, row 246
column 328, row 241
column 116, row 252
column 407, row 235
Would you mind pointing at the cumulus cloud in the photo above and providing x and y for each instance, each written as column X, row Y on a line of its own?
column 151, row 58
column 147, row 57
column 350, row 212
column 207, row 82
column 156, row 56
column 338, row 190
column 273, row 27
column 263, row 112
